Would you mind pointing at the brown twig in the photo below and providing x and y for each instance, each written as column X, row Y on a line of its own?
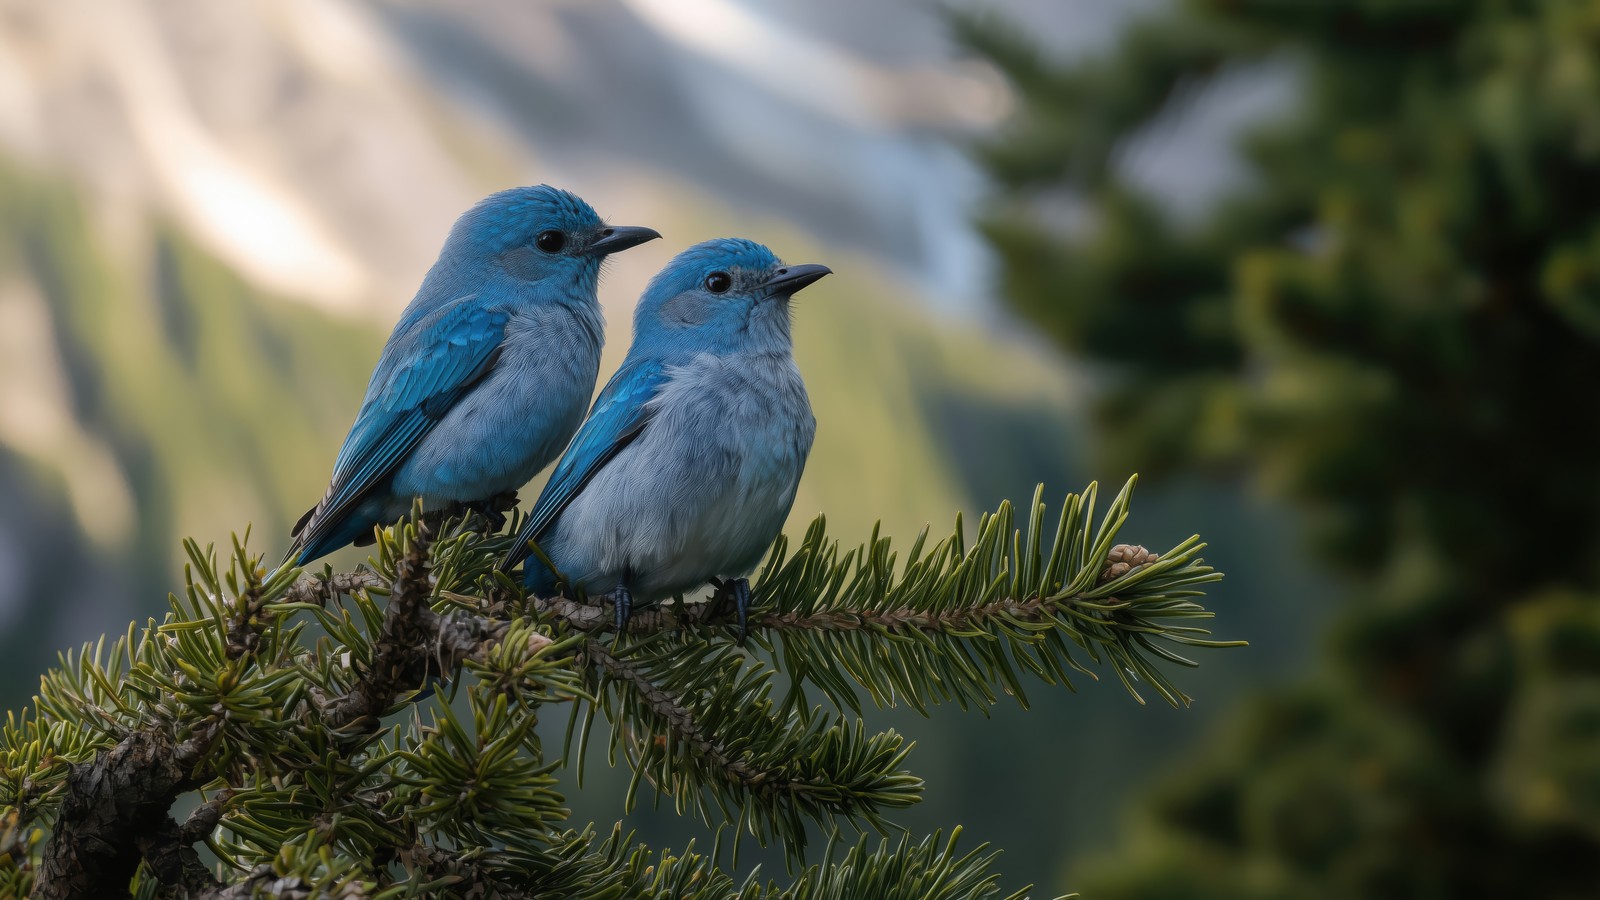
column 319, row 590
column 264, row 882
column 598, row 616
column 400, row 659
column 413, row 644
column 462, row 874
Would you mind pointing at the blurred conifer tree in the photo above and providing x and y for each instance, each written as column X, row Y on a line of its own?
column 1395, row 323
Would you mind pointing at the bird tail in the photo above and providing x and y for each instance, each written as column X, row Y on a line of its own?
column 316, row 537
column 518, row 552
column 512, row 557
column 299, row 533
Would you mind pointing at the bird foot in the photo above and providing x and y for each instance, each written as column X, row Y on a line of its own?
column 494, row 509
column 491, row 512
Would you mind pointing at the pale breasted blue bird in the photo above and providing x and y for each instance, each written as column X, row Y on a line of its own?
column 487, row 374
column 687, row 465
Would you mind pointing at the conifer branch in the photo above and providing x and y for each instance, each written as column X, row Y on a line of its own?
column 223, row 697
column 680, row 720
column 954, row 623
column 400, row 660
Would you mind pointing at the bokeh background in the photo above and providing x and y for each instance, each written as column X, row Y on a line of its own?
column 1326, row 273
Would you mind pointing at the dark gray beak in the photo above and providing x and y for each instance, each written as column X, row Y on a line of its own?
column 790, row 279
column 620, row 237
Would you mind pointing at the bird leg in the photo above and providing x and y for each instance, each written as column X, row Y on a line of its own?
column 738, row 590
column 622, row 602
column 741, row 605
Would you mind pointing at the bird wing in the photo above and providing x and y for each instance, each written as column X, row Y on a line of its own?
column 619, row 415
column 421, row 376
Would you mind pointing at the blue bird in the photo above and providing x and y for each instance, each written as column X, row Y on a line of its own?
column 687, row 465
column 487, row 374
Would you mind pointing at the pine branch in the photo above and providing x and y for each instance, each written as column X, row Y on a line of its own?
column 955, row 624
column 680, row 720
column 401, row 661
column 114, row 806
column 952, row 623
column 702, row 729
column 304, row 794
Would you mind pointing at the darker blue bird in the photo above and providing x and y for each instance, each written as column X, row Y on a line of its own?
column 487, row 374
column 688, row 463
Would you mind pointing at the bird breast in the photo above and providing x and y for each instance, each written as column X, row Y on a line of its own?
column 704, row 489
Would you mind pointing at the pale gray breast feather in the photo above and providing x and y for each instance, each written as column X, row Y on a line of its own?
column 769, row 374
column 555, row 321
column 767, row 385
column 552, row 334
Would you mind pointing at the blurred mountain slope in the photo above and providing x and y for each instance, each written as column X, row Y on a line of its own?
column 153, row 396
column 212, row 174
column 160, row 395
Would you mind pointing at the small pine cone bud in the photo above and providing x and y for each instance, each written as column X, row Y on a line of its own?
column 1124, row 558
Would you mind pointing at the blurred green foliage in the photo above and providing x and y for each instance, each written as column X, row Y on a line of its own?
column 1394, row 325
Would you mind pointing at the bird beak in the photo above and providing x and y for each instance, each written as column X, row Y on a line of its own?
column 790, row 279
column 620, row 237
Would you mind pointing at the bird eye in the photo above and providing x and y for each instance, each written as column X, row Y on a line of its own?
column 550, row 241
column 719, row 282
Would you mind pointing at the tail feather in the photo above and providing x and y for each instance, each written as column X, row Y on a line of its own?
column 300, row 535
column 304, row 520
column 315, row 537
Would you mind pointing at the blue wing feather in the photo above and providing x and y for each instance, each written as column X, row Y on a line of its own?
column 620, row 413
column 420, row 377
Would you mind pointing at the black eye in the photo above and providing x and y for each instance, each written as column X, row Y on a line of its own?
column 719, row 282
column 550, row 241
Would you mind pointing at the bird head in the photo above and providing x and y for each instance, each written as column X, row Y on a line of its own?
column 538, row 233
column 720, row 296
